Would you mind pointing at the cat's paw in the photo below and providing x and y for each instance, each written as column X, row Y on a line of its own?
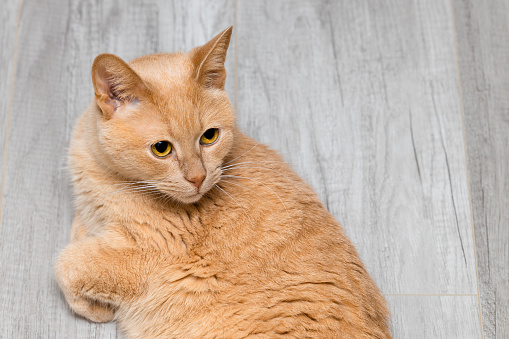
column 71, row 273
column 79, row 285
column 91, row 309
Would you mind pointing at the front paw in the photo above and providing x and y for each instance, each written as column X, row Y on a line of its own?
column 78, row 286
column 90, row 309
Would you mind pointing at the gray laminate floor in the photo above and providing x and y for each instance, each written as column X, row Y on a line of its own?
column 397, row 112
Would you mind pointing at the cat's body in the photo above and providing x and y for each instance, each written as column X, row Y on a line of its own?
column 256, row 255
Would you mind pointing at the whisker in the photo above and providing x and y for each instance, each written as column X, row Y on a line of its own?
column 160, row 182
column 140, row 194
column 273, row 170
column 131, row 189
column 242, row 154
column 124, row 183
column 126, row 192
column 131, row 184
column 261, row 183
column 134, row 188
column 236, row 203
column 155, row 193
column 233, row 183
column 252, row 162
column 152, row 184
column 163, row 197
column 173, row 188
column 135, row 182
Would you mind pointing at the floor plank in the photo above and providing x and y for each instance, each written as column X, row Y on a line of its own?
column 483, row 52
column 37, row 213
column 362, row 98
column 8, row 25
column 435, row 317
column 57, row 43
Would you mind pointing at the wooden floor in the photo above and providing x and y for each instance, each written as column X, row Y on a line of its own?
column 397, row 112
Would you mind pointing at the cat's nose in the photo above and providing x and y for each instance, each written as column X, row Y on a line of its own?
column 197, row 180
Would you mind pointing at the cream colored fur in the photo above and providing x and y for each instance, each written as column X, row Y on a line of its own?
column 247, row 252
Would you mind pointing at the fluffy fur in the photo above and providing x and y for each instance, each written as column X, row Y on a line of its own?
column 211, row 241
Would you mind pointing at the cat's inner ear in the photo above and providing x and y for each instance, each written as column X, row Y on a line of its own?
column 115, row 83
column 209, row 60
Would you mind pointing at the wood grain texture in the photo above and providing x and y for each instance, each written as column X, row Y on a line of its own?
column 432, row 317
column 483, row 53
column 362, row 98
column 8, row 25
column 58, row 41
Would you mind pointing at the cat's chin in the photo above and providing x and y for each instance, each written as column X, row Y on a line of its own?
column 189, row 199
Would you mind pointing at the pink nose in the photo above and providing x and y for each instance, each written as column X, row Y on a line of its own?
column 197, row 180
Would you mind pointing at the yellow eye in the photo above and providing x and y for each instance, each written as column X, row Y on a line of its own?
column 161, row 148
column 209, row 137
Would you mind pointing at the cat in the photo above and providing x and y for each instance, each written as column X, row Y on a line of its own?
column 187, row 228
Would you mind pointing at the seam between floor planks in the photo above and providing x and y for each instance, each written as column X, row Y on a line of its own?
column 9, row 112
column 429, row 295
column 462, row 111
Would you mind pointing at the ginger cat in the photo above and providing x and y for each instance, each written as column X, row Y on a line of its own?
column 187, row 228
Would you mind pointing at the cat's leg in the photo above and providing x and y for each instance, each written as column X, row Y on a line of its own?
column 91, row 309
column 96, row 276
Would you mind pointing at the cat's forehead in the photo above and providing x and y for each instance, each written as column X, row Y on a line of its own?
column 169, row 79
column 180, row 102
column 163, row 70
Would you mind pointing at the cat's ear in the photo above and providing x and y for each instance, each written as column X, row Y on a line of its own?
column 115, row 83
column 209, row 60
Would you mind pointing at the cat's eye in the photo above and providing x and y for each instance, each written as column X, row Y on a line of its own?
column 161, row 148
column 210, row 136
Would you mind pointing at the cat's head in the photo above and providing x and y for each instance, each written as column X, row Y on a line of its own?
column 165, row 119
